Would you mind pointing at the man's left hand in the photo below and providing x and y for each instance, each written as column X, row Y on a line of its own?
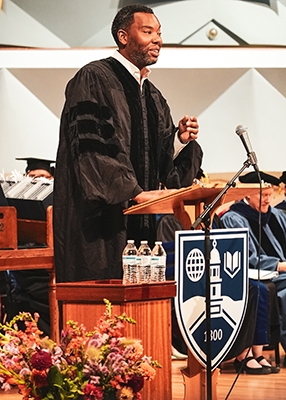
column 188, row 129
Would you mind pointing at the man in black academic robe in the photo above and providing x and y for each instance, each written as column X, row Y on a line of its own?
column 116, row 142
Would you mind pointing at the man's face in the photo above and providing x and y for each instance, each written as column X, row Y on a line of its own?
column 143, row 40
column 39, row 173
column 265, row 201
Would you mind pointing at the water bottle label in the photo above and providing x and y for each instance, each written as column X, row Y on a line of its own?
column 158, row 260
column 158, row 266
column 131, row 260
column 145, row 260
column 155, row 260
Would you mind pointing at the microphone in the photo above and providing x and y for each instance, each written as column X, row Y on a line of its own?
column 242, row 132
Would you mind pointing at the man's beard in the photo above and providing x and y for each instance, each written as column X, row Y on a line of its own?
column 140, row 56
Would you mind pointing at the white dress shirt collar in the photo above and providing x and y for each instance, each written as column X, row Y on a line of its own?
column 140, row 76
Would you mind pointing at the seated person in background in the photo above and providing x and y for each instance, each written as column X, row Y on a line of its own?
column 260, row 328
column 28, row 290
column 282, row 205
column 39, row 168
column 271, row 255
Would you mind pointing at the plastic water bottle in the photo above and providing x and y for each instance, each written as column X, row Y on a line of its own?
column 131, row 272
column 144, row 261
column 158, row 263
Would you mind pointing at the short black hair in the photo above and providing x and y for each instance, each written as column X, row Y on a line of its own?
column 125, row 17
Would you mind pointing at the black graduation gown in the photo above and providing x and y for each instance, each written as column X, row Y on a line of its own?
column 115, row 141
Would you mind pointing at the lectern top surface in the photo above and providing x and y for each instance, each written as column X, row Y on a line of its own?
column 169, row 199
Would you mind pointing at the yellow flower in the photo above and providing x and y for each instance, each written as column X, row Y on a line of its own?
column 125, row 393
column 93, row 353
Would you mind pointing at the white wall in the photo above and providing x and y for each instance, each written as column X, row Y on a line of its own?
column 223, row 86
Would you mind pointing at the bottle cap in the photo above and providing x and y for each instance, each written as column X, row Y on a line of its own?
column 144, row 242
column 130, row 241
column 158, row 242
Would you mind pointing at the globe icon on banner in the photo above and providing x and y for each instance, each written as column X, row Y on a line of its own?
column 195, row 265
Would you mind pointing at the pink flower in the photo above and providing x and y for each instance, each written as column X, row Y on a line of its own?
column 92, row 392
column 147, row 371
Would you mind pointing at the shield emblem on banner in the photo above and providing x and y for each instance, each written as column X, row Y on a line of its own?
column 228, row 290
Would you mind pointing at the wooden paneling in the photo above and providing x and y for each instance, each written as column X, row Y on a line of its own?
column 149, row 305
column 8, row 228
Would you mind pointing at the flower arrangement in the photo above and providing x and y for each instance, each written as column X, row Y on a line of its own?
column 96, row 365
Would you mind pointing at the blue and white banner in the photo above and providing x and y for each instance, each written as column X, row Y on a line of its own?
column 228, row 289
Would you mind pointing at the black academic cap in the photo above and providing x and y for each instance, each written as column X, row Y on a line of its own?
column 252, row 177
column 38, row 163
column 283, row 177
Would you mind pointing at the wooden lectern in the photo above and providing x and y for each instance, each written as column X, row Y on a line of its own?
column 148, row 304
column 175, row 202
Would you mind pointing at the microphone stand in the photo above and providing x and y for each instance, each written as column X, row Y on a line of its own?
column 204, row 218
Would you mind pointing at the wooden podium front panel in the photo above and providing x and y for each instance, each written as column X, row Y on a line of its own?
column 8, row 228
column 153, row 324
